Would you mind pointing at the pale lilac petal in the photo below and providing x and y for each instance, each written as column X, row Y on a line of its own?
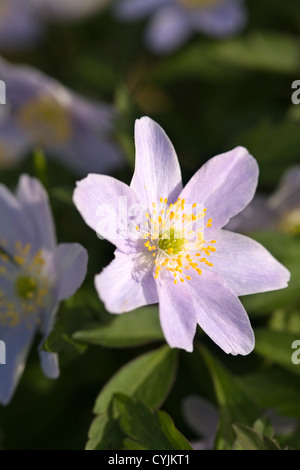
column 137, row 9
column 221, row 316
column 23, row 83
column 104, row 203
column 100, row 117
column 127, row 283
column 168, row 29
column 48, row 361
column 35, row 205
column 246, row 265
column 91, row 147
column 14, row 144
column 224, row 185
column 221, row 20
column 71, row 266
column 68, row 268
column 18, row 340
column 157, row 173
column 15, row 226
column 177, row 313
column 49, row 364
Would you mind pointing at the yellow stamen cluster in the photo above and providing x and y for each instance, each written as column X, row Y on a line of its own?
column 290, row 222
column 46, row 120
column 26, row 287
column 192, row 4
column 175, row 239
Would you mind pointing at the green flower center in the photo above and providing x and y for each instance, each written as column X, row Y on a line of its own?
column 30, row 288
column 26, row 287
column 172, row 241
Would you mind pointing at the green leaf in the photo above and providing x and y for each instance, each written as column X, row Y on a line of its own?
column 40, row 165
column 148, row 378
column 277, row 347
column 146, row 429
column 263, row 427
column 234, row 404
column 285, row 321
column 130, row 329
column 274, row 388
column 260, row 51
column 105, row 433
column 177, row 440
column 96, row 72
column 63, row 194
column 249, row 439
column 282, row 149
column 60, row 339
column 266, row 51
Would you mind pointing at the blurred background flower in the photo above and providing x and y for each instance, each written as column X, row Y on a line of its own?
column 19, row 26
column 279, row 211
column 42, row 114
column 227, row 84
column 66, row 10
column 203, row 419
column 23, row 22
column 35, row 275
column 173, row 22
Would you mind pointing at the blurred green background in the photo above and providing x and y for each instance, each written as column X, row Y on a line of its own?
column 210, row 96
